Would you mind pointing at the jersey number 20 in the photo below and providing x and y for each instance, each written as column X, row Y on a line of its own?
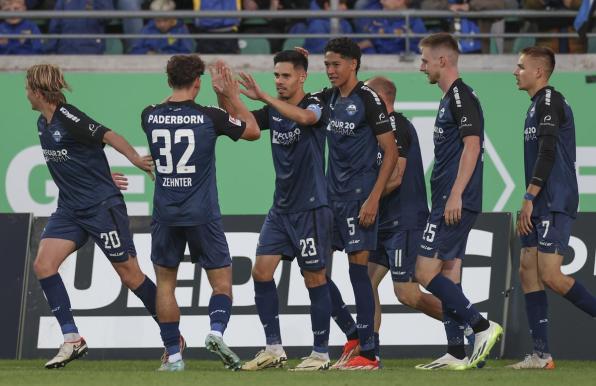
column 166, row 151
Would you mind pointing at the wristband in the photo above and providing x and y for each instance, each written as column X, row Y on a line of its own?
column 529, row 196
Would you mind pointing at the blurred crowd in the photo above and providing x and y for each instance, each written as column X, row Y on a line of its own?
column 390, row 30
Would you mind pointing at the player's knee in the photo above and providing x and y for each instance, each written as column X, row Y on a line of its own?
column 261, row 274
column 44, row 268
column 406, row 296
column 422, row 277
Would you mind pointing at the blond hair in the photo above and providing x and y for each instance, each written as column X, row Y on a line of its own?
column 48, row 80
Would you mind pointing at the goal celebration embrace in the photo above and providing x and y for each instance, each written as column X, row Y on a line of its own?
column 355, row 198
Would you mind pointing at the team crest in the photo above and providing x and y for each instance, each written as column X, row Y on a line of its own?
column 351, row 109
column 57, row 135
column 441, row 112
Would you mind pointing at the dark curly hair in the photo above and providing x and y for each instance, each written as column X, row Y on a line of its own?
column 182, row 70
column 346, row 47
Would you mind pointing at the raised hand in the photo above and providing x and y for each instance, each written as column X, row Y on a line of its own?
column 251, row 89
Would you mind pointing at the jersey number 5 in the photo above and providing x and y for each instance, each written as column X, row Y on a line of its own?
column 166, row 151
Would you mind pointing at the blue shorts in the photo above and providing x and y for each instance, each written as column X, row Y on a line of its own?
column 447, row 242
column 306, row 235
column 207, row 244
column 106, row 223
column 397, row 251
column 347, row 232
column 550, row 234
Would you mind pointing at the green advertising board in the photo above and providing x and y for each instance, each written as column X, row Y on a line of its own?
column 244, row 169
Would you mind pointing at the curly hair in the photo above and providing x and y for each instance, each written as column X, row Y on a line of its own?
column 182, row 70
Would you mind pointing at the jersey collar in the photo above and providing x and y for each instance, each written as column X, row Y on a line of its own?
column 542, row 91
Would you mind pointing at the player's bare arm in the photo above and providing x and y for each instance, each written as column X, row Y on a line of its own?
column 467, row 164
column 123, row 147
column 370, row 208
column 396, row 177
column 231, row 92
column 252, row 90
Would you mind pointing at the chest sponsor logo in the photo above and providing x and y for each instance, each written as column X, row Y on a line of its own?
column 439, row 134
column 530, row 134
column 285, row 138
column 52, row 155
column 342, row 128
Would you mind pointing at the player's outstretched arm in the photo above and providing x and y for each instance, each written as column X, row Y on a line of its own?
column 216, row 71
column 123, row 147
column 231, row 92
column 368, row 211
column 252, row 90
column 467, row 164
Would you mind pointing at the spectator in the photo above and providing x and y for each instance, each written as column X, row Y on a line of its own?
column 465, row 25
column 18, row 26
column 78, row 26
column 130, row 26
column 314, row 26
column 216, row 26
column 259, row 25
column 392, row 26
column 563, row 25
column 161, row 26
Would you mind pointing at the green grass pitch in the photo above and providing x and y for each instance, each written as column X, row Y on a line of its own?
column 396, row 372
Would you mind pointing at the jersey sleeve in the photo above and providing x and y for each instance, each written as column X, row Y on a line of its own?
column 225, row 124
column 376, row 112
column 262, row 117
column 549, row 113
column 465, row 110
column 315, row 104
column 144, row 115
column 402, row 136
column 83, row 128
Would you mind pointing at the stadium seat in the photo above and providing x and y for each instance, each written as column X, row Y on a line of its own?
column 521, row 43
column 254, row 46
column 114, row 47
column 591, row 45
column 290, row 43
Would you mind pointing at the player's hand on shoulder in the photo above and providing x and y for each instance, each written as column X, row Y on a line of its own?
column 368, row 212
column 120, row 180
column 302, row 50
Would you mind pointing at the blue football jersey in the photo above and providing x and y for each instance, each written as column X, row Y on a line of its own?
column 550, row 114
column 298, row 158
column 459, row 115
column 72, row 145
column 405, row 208
column 182, row 137
column 353, row 124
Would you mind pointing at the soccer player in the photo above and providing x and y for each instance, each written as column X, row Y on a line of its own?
column 89, row 203
column 456, row 190
column 358, row 126
column 300, row 223
column 402, row 216
column 550, row 203
column 182, row 137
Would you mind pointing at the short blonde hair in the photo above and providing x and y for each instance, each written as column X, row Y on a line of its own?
column 162, row 5
column 48, row 80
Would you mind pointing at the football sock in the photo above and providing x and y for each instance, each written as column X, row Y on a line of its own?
column 320, row 316
column 537, row 313
column 453, row 298
column 170, row 335
column 220, row 307
column 454, row 331
column 268, row 308
column 55, row 292
column 377, row 345
column 146, row 292
column 582, row 299
column 340, row 313
column 365, row 308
